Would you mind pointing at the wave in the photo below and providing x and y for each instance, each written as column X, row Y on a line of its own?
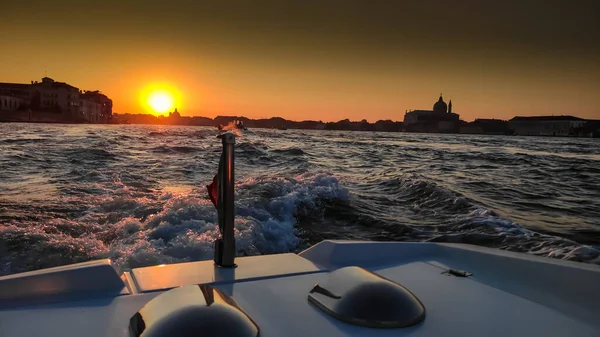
column 176, row 149
column 452, row 217
column 274, row 215
column 91, row 154
column 174, row 228
column 34, row 247
column 23, row 140
column 136, row 193
column 183, row 132
column 291, row 151
column 251, row 149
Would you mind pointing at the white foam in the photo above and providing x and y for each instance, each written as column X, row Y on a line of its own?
column 185, row 228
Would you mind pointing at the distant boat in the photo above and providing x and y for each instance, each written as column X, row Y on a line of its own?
column 282, row 128
column 237, row 124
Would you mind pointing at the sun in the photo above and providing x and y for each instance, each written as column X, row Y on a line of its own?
column 161, row 101
column 159, row 98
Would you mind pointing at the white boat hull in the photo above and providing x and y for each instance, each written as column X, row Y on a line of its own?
column 508, row 294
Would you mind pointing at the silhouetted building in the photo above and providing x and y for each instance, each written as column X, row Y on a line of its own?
column 175, row 114
column 486, row 126
column 546, row 125
column 590, row 129
column 440, row 119
column 53, row 96
column 14, row 94
column 95, row 107
column 174, row 118
column 62, row 102
column 11, row 103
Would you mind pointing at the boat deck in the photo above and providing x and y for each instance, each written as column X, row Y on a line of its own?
column 508, row 294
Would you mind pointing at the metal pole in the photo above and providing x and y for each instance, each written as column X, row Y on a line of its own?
column 225, row 246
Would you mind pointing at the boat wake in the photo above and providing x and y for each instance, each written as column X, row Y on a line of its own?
column 273, row 215
column 140, row 230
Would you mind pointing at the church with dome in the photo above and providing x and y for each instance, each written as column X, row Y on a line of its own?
column 440, row 119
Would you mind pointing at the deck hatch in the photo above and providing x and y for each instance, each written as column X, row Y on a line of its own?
column 357, row 296
column 199, row 311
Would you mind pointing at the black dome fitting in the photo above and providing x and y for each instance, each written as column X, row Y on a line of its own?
column 199, row 311
column 357, row 296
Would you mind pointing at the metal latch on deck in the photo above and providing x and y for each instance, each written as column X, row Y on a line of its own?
column 457, row 273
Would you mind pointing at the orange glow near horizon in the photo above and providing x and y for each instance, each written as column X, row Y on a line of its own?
column 317, row 61
column 159, row 99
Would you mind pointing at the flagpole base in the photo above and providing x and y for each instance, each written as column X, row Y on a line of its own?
column 218, row 257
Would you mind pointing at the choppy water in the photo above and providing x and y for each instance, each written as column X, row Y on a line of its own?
column 136, row 194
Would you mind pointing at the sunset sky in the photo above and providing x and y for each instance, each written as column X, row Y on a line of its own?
column 320, row 60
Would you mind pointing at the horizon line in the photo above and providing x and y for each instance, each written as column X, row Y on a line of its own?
column 333, row 121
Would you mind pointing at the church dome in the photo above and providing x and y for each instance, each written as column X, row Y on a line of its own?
column 440, row 105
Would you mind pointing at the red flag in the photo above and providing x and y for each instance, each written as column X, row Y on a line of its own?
column 213, row 190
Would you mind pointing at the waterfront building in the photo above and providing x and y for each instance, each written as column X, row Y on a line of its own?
column 95, row 107
column 440, row 119
column 546, row 125
column 174, row 114
column 11, row 103
column 14, row 94
column 486, row 126
column 66, row 102
column 59, row 97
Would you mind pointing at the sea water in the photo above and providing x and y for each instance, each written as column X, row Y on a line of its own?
column 136, row 193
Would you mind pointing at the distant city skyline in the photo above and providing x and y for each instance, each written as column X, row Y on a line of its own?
column 324, row 61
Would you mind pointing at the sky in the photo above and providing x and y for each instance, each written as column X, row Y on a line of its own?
column 315, row 60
